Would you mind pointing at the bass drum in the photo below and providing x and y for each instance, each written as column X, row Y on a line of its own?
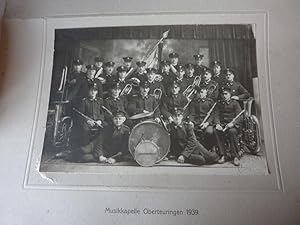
column 149, row 143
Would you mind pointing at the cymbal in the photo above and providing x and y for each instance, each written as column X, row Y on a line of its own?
column 141, row 115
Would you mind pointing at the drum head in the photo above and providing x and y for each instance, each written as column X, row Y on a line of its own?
column 146, row 153
column 151, row 134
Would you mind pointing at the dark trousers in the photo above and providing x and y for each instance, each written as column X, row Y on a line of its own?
column 230, row 135
column 199, row 155
column 206, row 137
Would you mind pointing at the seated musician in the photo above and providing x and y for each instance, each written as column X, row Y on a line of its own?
column 228, row 126
column 238, row 92
column 115, row 142
column 93, row 121
column 184, row 145
column 198, row 111
column 155, row 83
column 174, row 100
column 115, row 102
column 144, row 103
column 210, row 85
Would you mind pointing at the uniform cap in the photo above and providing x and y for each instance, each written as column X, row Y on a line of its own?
column 93, row 86
column 98, row 59
column 119, row 113
column 174, row 83
column 141, row 63
column 91, row 67
column 189, row 66
column 198, row 56
column 145, row 84
column 121, row 69
column 228, row 70
column 180, row 68
column 109, row 64
column 77, row 62
column 115, row 85
column 165, row 62
column 127, row 59
column 215, row 63
column 173, row 55
column 206, row 69
column 177, row 111
column 151, row 70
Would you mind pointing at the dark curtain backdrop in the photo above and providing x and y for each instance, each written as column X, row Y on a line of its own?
column 233, row 45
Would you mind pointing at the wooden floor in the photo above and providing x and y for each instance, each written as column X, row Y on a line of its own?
column 250, row 164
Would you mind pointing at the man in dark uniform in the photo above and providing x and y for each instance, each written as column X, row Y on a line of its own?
column 184, row 144
column 128, row 64
column 166, row 74
column 140, row 72
column 189, row 74
column 108, row 76
column 155, row 83
column 199, row 67
column 210, row 85
column 226, row 111
column 121, row 77
column 217, row 72
column 89, row 80
column 99, row 66
column 144, row 103
column 174, row 100
column 114, row 102
column 77, row 73
column 198, row 109
column 238, row 92
column 180, row 78
column 173, row 62
column 91, row 128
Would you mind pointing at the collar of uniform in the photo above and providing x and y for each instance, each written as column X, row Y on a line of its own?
column 207, row 82
column 117, row 127
column 145, row 97
column 229, row 83
column 201, row 99
column 175, row 96
column 121, row 81
column 179, row 80
column 93, row 99
column 227, row 102
column 115, row 99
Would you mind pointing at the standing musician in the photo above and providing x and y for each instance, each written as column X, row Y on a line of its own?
column 184, row 144
column 173, row 62
column 238, row 92
column 140, row 72
column 210, row 85
column 155, row 82
column 99, row 65
column 144, row 103
column 90, row 80
column 108, row 76
column 189, row 73
column 217, row 72
column 174, row 100
column 77, row 73
column 128, row 63
column 121, row 76
column 180, row 78
column 228, row 125
column 166, row 74
column 199, row 67
column 198, row 111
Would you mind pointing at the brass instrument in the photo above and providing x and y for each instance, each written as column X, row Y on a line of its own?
column 173, row 69
column 197, row 81
column 251, row 131
column 62, row 124
column 190, row 90
column 158, row 78
column 126, row 90
column 157, row 93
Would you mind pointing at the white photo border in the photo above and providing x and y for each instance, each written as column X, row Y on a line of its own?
column 176, row 179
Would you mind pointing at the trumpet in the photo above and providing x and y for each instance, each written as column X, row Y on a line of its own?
column 126, row 90
column 197, row 81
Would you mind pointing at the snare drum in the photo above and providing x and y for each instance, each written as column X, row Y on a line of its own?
column 149, row 143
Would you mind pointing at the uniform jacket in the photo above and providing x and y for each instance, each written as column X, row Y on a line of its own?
column 154, row 85
column 116, row 139
column 170, row 102
column 199, row 70
column 218, row 78
column 237, row 89
column 116, row 104
column 137, row 105
column 199, row 108
column 183, row 139
column 167, row 79
column 212, row 89
column 109, row 80
column 92, row 108
column 226, row 111
column 183, row 83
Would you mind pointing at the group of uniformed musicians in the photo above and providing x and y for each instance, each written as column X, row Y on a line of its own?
column 196, row 104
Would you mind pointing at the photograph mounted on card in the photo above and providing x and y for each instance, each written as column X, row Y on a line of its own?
column 153, row 99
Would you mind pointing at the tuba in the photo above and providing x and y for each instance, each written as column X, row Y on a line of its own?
column 251, row 139
column 62, row 123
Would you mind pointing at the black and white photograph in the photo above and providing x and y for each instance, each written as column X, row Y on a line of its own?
column 160, row 96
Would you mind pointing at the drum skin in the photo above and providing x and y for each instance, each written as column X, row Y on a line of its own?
column 146, row 137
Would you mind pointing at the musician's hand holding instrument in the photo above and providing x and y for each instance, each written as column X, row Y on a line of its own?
column 219, row 127
column 204, row 125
